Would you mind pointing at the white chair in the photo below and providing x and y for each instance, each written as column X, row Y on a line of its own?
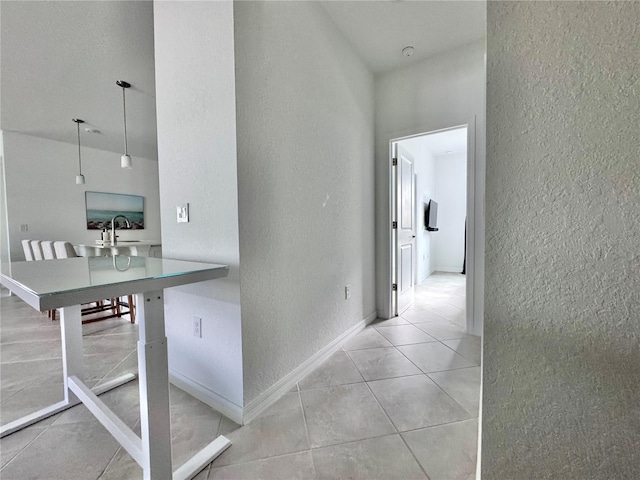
column 37, row 250
column 64, row 250
column 28, row 252
column 47, row 250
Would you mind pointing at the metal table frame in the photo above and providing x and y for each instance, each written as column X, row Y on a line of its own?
column 152, row 450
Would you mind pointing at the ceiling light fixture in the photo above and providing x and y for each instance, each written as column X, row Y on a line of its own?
column 407, row 51
column 80, row 176
column 125, row 160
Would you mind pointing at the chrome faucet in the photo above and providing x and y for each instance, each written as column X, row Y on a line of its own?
column 113, row 227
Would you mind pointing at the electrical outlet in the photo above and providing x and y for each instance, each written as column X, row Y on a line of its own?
column 24, row 228
column 197, row 327
column 347, row 292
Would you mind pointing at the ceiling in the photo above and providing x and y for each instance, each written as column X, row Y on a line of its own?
column 440, row 144
column 60, row 60
column 379, row 30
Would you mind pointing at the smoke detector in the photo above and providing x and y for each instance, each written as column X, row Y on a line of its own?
column 407, row 51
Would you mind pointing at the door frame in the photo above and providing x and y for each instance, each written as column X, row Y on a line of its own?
column 475, row 228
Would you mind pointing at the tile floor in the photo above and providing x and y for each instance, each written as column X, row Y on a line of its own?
column 398, row 401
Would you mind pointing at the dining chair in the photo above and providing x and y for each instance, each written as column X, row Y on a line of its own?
column 28, row 252
column 47, row 250
column 64, row 250
column 36, row 246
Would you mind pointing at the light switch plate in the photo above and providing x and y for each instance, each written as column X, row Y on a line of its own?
column 183, row 212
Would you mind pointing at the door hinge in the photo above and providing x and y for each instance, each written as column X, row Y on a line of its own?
column 394, row 287
column 394, row 225
column 394, row 162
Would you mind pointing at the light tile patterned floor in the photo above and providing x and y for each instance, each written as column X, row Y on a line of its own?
column 398, row 401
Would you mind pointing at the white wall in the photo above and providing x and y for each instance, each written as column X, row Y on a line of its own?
column 443, row 91
column 451, row 195
column 425, row 171
column 561, row 357
column 41, row 190
column 5, row 263
column 305, row 168
column 195, row 84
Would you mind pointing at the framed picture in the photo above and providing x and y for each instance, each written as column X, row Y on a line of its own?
column 102, row 207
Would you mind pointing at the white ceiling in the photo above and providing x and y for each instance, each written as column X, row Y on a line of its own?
column 379, row 30
column 61, row 59
column 441, row 144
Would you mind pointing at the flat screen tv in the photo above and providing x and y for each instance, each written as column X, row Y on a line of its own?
column 431, row 216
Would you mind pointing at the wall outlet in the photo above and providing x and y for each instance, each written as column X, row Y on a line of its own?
column 347, row 292
column 24, row 228
column 197, row 327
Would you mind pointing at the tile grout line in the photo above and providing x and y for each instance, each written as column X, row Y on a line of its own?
column 27, row 445
column 304, row 418
column 414, row 456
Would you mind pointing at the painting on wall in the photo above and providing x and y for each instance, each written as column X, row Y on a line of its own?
column 102, row 207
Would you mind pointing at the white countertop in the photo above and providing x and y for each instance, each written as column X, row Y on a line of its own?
column 123, row 243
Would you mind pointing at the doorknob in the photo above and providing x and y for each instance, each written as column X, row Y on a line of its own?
column 413, row 236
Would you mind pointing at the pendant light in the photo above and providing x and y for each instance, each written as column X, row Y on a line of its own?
column 80, row 176
column 125, row 160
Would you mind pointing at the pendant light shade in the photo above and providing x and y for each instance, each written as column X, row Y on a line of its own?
column 79, row 176
column 125, row 160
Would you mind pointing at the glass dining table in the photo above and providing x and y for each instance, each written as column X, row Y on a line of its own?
column 66, row 284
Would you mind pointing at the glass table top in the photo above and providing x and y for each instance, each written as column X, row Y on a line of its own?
column 58, row 277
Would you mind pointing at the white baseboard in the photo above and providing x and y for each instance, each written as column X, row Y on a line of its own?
column 258, row 405
column 449, row 269
column 211, row 398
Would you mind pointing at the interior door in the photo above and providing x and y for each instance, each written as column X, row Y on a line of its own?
column 406, row 229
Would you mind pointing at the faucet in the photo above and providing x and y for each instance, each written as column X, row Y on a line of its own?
column 113, row 227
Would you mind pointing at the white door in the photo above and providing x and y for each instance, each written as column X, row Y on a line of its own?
column 406, row 229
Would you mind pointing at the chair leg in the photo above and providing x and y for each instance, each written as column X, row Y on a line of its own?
column 132, row 309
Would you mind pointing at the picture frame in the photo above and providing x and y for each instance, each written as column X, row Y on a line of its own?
column 102, row 207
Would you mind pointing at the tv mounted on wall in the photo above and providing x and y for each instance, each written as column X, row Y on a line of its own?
column 431, row 217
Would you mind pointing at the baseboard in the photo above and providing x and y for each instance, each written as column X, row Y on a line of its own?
column 449, row 269
column 258, row 405
column 211, row 398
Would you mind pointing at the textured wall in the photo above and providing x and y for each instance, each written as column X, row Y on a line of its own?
column 305, row 173
column 443, row 91
column 562, row 319
column 197, row 158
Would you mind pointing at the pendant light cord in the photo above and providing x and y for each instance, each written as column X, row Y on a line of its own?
column 79, row 158
column 124, row 109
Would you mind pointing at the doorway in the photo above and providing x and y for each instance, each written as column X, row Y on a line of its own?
column 432, row 178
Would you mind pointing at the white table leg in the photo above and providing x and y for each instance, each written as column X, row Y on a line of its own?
column 154, row 387
column 72, row 361
column 72, row 365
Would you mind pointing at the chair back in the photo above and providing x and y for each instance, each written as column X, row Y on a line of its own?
column 47, row 250
column 36, row 246
column 28, row 253
column 64, row 250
